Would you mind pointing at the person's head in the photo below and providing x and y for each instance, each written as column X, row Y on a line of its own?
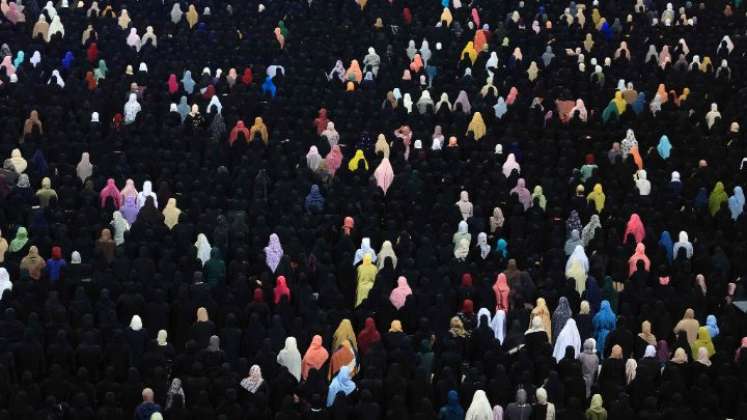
column 147, row 395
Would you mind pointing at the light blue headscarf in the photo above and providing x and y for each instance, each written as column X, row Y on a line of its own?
column 445, row 3
column 188, row 83
column 734, row 208
column 664, row 148
column 712, row 325
column 739, row 194
column 183, row 108
column 500, row 108
column 341, row 383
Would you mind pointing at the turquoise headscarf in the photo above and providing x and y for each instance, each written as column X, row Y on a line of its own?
column 20, row 57
column 664, row 148
column 502, row 247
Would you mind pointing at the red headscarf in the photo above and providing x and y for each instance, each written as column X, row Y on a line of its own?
column 321, row 121
column 281, row 289
column 56, row 252
column 635, row 228
column 173, row 84
column 209, row 92
column 468, row 307
column 238, row 128
column 92, row 53
column 368, row 336
column 247, row 77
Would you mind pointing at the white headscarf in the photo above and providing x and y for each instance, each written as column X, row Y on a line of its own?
column 498, row 325
column 203, row 248
column 480, row 408
column 569, row 336
column 146, row 192
column 364, row 249
column 136, row 324
column 510, row 164
column 5, row 283
column 578, row 255
column 290, row 357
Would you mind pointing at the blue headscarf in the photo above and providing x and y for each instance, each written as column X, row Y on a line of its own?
column 664, row 148
column 40, row 162
column 734, row 208
column 269, row 86
column 452, row 410
column 606, row 31
column 502, row 247
column 445, row 3
column 739, row 194
column 712, row 325
column 314, row 200
column 639, row 103
column 188, row 83
column 67, row 61
column 500, row 108
column 341, row 383
column 665, row 241
column 604, row 322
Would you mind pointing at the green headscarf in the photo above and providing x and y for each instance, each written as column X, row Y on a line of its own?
column 22, row 237
column 609, row 112
column 717, row 197
column 101, row 71
column 283, row 29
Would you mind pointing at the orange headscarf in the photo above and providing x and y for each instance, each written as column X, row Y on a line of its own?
column 315, row 356
column 417, row 63
column 354, row 72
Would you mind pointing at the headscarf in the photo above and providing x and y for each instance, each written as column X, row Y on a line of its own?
column 540, row 310
column 537, row 194
column 589, row 231
column 363, row 250
column 639, row 255
column 19, row 241
column 252, row 382
column 384, row 175
column 273, row 252
column 569, row 336
column 290, row 357
column 680, row 356
column 315, row 199
column 203, row 248
column 502, row 292
column 635, row 227
column 171, row 213
column 664, row 147
column 175, row 390
column 315, row 357
column 341, row 383
column 386, row 252
column 354, row 163
column 712, row 326
column 5, row 283
column 400, row 293
column 344, row 332
column 480, row 408
column 368, row 335
column 523, row 194
column 510, row 165
column 477, row 126
column 717, row 197
column 646, row 334
column 334, row 159
column 703, row 340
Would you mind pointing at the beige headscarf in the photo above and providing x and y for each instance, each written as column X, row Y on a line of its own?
column 171, row 214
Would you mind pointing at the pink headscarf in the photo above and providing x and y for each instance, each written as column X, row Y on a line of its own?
column 525, row 197
column 635, row 228
column 639, row 255
column 173, row 84
column 384, row 175
column 110, row 191
column 400, row 293
column 334, row 159
column 8, row 66
column 475, row 17
column 281, row 289
column 512, row 94
column 129, row 190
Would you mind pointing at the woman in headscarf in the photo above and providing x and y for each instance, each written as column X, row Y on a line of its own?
column 314, row 202
column 366, row 276
column 171, row 214
column 344, row 356
column 340, row 384
column 703, row 341
column 589, row 363
column 604, row 322
column 33, row 264
column 569, row 337
column 502, row 293
column 540, row 310
column 31, row 123
column 333, row 160
column 315, row 357
column 273, row 252
column 313, row 159
column 498, row 325
column 684, row 243
column 84, row 170
column 496, row 220
column 120, row 226
column 597, row 197
column 477, row 126
column 560, row 316
column 639, row 255
column 523, row 194
column 664, row 147
column 364, row 250
column 689, row 325
column 146, row 192
column 573, row 241
column 645, row 338
column 589, row 232
column 577, row 268
column 368, row 336
column 387, row 251
column 175, row 390
column 635, row 228
column 290, row 358
column 254, row 382
column 480, row 408
column 712, row 326
column 384, row 175
column 464, row 205
column 717, row 198
column 202, row 248
column 129, row 200
column 596, row 410
column 281, row 290
column 400, row 293
column 259, row 128
column 20, row 240
column 510, row 165
column 106, row 246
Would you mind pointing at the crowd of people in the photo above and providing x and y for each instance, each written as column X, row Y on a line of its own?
column 373, row 209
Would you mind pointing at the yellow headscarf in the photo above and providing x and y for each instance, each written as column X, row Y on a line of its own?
column 703, row 340
column 446, row 16
column 598, row 197
column 470, row 51
column 353, row 163
column 620, row 103
column 366, row 277
column 344, row 332
column 477, row 126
